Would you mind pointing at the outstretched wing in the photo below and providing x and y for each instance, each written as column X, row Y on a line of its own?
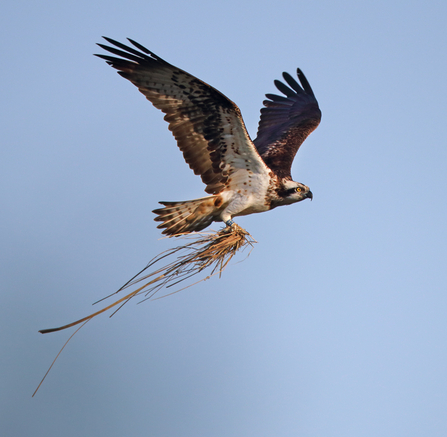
column 207, row 125
column 286, row 122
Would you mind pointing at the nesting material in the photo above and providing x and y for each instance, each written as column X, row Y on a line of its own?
column 210, row 252
column 207, row 252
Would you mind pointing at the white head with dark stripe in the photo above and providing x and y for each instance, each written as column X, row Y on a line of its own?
column 292, row 192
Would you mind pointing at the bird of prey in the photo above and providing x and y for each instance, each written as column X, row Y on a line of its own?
column 242, row 176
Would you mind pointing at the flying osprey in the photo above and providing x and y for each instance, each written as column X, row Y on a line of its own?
column 242, row 176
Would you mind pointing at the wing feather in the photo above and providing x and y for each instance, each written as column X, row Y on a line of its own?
column 286, row 122
column 207, row 125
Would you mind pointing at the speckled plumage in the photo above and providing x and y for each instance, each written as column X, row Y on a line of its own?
column 242, row 176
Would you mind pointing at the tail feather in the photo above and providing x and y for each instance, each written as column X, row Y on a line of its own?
column 188, row 216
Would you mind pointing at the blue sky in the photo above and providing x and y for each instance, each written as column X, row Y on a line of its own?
column 334, row 326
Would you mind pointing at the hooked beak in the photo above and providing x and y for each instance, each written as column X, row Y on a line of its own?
column 310, row 195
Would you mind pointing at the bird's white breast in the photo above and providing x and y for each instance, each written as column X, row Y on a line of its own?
column 245, row 194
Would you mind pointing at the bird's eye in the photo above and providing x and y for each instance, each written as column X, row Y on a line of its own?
column 298, row 189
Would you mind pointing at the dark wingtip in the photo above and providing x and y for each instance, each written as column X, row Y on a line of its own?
column 140, row 47
column 112, row 41
column 283, row 88
column 292, row 82
column 304, row 82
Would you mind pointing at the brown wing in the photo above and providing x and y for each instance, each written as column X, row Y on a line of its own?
column 286, row 122
column 205, row 123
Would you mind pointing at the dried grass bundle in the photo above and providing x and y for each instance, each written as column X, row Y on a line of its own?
column 207, row 251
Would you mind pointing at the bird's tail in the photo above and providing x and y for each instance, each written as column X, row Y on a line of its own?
column 188, row 216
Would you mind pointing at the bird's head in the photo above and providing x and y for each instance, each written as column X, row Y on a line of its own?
column 293, row 192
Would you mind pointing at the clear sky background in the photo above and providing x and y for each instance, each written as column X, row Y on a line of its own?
column 336, row 325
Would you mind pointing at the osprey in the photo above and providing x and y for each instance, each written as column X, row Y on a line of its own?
column 242, row 176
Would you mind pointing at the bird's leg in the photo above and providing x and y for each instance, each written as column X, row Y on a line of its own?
column 229, row 223
column 231, row 226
